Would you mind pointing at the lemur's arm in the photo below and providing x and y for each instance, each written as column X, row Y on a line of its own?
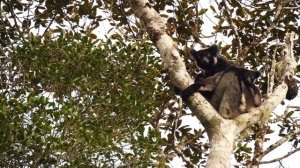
column 204, row 85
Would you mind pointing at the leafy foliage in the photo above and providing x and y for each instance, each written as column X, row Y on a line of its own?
column 73, row 101
column 69, row 99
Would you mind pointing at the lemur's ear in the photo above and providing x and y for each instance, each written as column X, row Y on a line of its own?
column 193, row 52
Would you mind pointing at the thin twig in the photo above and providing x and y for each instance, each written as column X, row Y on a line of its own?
column 292, row 8
column 185, row 159
column 178, row 147
column 279, row 117
column 277, row 17
column 272, row 71
column 233, row 26
column 293, row 107
column 5, row 30
column 189, row 141
column 127, row 22
column 50, row 23
column 280, row 142
column 15, row 18
column 196, row 38
column 280, row 158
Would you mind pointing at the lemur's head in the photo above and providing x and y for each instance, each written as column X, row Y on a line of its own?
column 206, row 58
column 248, row 76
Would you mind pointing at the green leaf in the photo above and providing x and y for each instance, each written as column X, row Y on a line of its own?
column 202, row 11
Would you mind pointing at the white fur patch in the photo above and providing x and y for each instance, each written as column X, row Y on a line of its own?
column 243, row 104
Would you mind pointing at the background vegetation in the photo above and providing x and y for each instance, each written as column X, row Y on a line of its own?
column 70, row 97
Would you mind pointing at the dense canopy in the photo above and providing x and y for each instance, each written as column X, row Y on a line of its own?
column 83, row 85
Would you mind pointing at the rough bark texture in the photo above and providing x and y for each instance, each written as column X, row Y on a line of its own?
column 287, row 71
column 221, row 132
column 173, row 62
column 221, row 144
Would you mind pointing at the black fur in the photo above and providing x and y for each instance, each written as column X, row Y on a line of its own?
column 227, row 87
column 234, row 95
column 210, row 61
column 292, row 88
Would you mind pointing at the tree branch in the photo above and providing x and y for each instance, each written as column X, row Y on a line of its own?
column 279, row 118
column 263, row 112
column 292, row 8
column 294, row 107
column 127, row 22
column 263, row 115
column 271, row 77
column 289, row 64
column 280, row 142
column 156, row 26
column 256, row 114
column 279, row 8
column 289, row 61
column 221, row 132
column 185, row 159
column 280, row 158
column 47, row 28
column 233, row 26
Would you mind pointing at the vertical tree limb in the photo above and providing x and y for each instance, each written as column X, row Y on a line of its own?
column 221, row 132
column 234, row 29
column 289, row 64
column 173, row 62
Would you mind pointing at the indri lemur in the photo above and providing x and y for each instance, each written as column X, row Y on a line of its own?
column 226, row 86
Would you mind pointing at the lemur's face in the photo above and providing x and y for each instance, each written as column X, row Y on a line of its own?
column 250, row 76
column 204, row 58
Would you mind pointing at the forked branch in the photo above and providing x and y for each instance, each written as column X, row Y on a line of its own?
column 173, row 62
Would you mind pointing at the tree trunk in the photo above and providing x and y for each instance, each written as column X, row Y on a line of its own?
column 221, row 132
column 222, row 140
